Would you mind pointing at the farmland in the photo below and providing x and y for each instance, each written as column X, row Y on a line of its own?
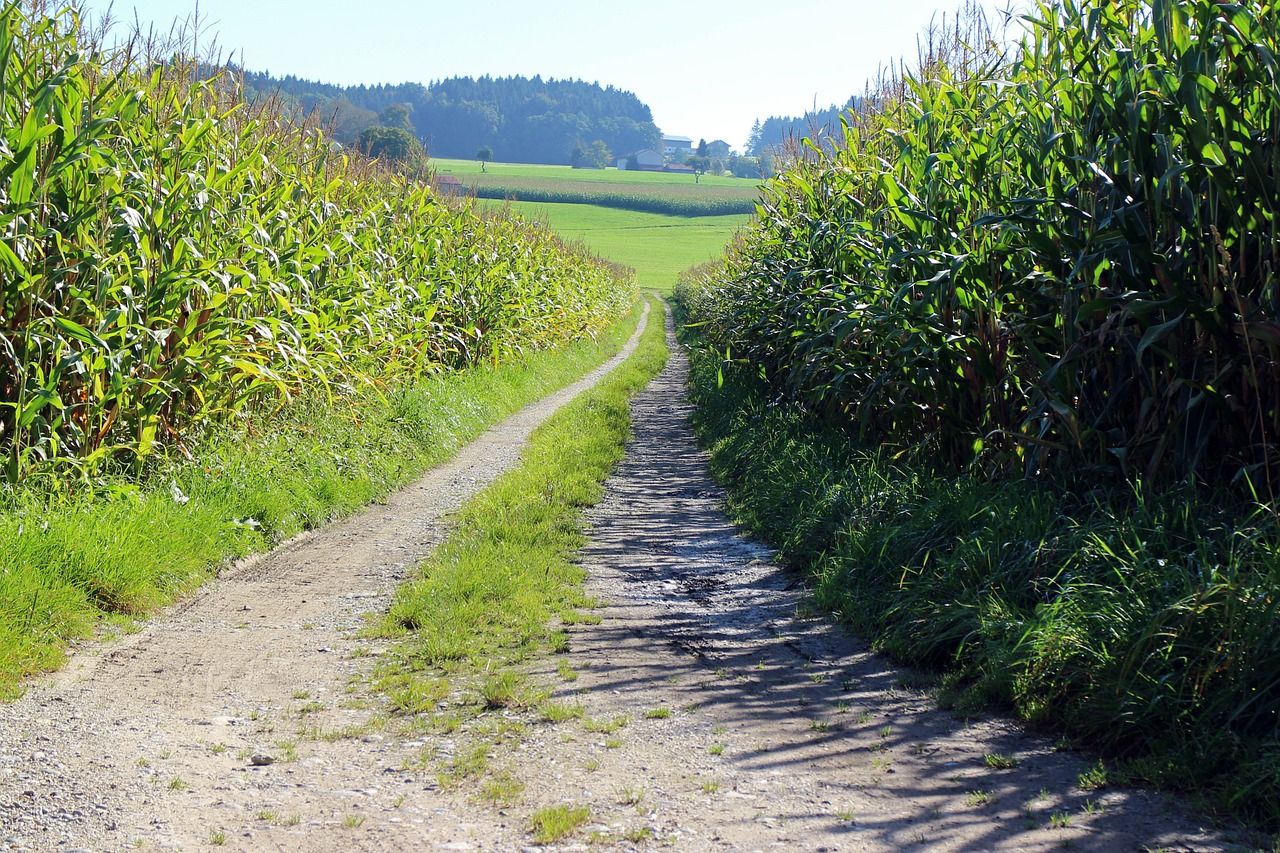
column 653, row 192
column 656, row 246
column 209, row 346
column 1002, row 373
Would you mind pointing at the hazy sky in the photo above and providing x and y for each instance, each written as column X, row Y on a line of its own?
column 706, row 69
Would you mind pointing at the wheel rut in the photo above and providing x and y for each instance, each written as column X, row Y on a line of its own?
column 716, row 712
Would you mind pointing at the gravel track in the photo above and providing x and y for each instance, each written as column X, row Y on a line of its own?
column 717, row 713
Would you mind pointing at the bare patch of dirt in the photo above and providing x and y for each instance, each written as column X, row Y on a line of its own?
column 715, row 712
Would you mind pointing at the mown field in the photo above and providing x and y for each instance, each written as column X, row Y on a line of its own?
column 1003, row 373
column 653, row 192
column 656, row 246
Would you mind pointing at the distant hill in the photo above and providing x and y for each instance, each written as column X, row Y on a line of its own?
column 522, row 119
column 774, row 131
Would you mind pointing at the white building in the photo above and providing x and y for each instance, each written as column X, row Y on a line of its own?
column 646, row 158
column 676, row 144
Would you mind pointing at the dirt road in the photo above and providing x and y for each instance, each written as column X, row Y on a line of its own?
column 716, row 713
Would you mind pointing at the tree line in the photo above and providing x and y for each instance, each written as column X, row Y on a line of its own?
column 518, row 119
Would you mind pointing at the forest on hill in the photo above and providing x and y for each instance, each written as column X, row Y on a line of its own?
column 520, row 119
column 775, row 131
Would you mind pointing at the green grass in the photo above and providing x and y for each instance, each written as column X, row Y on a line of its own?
column 485, row 599
column 74, row 562
column 466, row 170
column 657, row 246
column 655, row 192
column 555, row 822
column 1130, row 622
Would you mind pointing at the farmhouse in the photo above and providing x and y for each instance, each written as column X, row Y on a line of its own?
column 448, row 185
column 646, row 159
column 676, row 144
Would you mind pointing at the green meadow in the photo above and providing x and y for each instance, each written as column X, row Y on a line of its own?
column 467, row 170
column 656, row 246
column 650, row 192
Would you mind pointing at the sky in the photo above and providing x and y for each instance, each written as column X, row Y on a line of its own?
column 707, row 70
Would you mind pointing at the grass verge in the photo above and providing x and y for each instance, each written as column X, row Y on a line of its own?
column 496, row 591
column 72, row 562
column 1143, row 625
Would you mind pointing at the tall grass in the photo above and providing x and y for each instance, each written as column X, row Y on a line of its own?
column 1026, row 321
column 170, row 257
column 1143, row 626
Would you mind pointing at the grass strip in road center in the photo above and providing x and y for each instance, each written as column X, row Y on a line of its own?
column 492, row 594
column 73, row 564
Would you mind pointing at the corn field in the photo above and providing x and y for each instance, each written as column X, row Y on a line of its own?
column 1059, row 258
column 1028, row 313
column 170, row 256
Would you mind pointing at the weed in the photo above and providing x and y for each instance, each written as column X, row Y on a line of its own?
column 352, row 821
column 266, row 815
column 559, row 712
column 176, row 784
column 1059, row 820
column 980, row 798
column 555, row 822
column 469, row 762
column 885, row 731
column 998, row 761
column 710, row 786
column 302, row 694
column 716, row 749
column 657, row 713
column 292, row 820
column 288, row 750
column 217, row 837
column 502, row 789
column 415, row 694
column 1093, row 778
column 591, row 765
column 566, row 672
column 577, row 617
column 502, row 689
column 613, row 743
column 819, row 725
column 558, row 642
column 630, row 795
column 607, row 726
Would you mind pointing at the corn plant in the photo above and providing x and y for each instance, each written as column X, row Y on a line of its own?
column 170, row 255
column 1056, row 260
